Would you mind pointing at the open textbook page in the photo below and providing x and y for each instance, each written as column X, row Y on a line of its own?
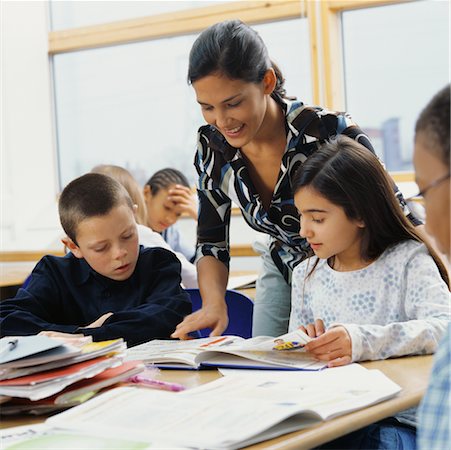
column 42, row 436
column 262, row 352
column 230, row 412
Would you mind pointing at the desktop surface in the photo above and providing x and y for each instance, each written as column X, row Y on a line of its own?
column 411, row 373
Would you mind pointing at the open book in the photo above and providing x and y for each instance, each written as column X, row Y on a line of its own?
column 262, row 352
column 231, row 412
column 242, row 281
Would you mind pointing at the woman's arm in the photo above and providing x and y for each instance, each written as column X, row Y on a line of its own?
column 212, row 242
column 213, row 276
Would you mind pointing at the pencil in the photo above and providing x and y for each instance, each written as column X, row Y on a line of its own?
column 215, row 341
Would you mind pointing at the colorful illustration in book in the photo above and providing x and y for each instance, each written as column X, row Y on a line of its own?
column 281, row 344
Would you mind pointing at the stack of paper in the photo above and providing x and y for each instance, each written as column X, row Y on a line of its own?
column 40, row 373
column 232, row 412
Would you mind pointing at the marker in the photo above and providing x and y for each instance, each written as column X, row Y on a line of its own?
column 156, row 384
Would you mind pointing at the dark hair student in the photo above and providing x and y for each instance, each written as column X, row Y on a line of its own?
column 340, row 172
column 254, row 139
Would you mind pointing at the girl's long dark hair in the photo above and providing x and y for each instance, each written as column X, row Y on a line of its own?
column 233, row 49
column 350, row 176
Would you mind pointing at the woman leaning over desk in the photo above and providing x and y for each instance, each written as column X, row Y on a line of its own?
column 255, row 139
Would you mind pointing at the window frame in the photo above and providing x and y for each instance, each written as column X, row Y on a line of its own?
column 324, row 21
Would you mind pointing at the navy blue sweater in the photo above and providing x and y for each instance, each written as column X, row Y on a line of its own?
column 64, row 294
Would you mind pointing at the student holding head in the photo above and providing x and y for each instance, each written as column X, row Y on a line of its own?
column 167, row 195
column 146, row 235
column 254, row 141
column 374, row 288
column 107, row 286
column 432, row 169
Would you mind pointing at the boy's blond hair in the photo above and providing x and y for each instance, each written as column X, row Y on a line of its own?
column 124, row 177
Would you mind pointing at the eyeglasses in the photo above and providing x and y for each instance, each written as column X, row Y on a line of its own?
column 422, row 193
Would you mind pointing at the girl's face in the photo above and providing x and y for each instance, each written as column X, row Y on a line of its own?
column 161, row 212
column 234, row 107
column 428, row 169
column 327, row 228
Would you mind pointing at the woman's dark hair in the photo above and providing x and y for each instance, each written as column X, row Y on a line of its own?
column 165, row 178
column 434, row 121
column 348, row 175
column 235, row 50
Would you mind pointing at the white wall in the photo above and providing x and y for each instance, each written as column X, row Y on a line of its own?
column 29, row 183
column 28, row 218
column 29, row 174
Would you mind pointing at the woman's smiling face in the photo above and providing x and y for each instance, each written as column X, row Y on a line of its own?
column 234, row 107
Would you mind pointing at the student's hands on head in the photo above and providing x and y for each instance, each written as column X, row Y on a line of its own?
column 211, row 316
column 184, row 200
column 333, row 345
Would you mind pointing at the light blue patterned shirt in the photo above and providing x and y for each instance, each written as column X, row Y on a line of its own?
column 433, row 415
column 398, row 305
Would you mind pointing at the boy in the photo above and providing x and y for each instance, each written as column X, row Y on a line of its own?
column 107, row 286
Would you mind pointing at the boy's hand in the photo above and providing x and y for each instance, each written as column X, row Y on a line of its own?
column 207, row 317
column 334, row 346
column 100, row 321
column 59, row 334
column 184, row 200
column 314, row 329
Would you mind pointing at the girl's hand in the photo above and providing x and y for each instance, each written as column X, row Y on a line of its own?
column 334, row 346
column 184, row 200
column 314, row 329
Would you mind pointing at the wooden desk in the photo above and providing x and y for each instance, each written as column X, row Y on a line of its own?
column 15, row 266
column 15, row 273
column 12, row 276
column 411, row 373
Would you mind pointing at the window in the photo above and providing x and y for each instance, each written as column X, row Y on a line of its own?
column 396, row 58
column 131, row 105
column 71, row 14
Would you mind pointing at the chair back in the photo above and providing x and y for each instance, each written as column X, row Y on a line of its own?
column 240, row 309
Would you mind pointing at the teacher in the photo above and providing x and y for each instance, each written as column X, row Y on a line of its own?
column 255, row 140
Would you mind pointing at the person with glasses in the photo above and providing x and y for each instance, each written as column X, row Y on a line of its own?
column 432, row 173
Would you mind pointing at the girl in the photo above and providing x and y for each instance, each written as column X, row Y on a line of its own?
column 375, row 290
column 167, row 195
column 254, row 140
column 147, row 236
column 372, row 273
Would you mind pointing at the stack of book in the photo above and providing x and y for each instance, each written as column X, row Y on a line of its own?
column 39, row 374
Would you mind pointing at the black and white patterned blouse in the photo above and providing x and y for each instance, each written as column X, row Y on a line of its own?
column 224, row 178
